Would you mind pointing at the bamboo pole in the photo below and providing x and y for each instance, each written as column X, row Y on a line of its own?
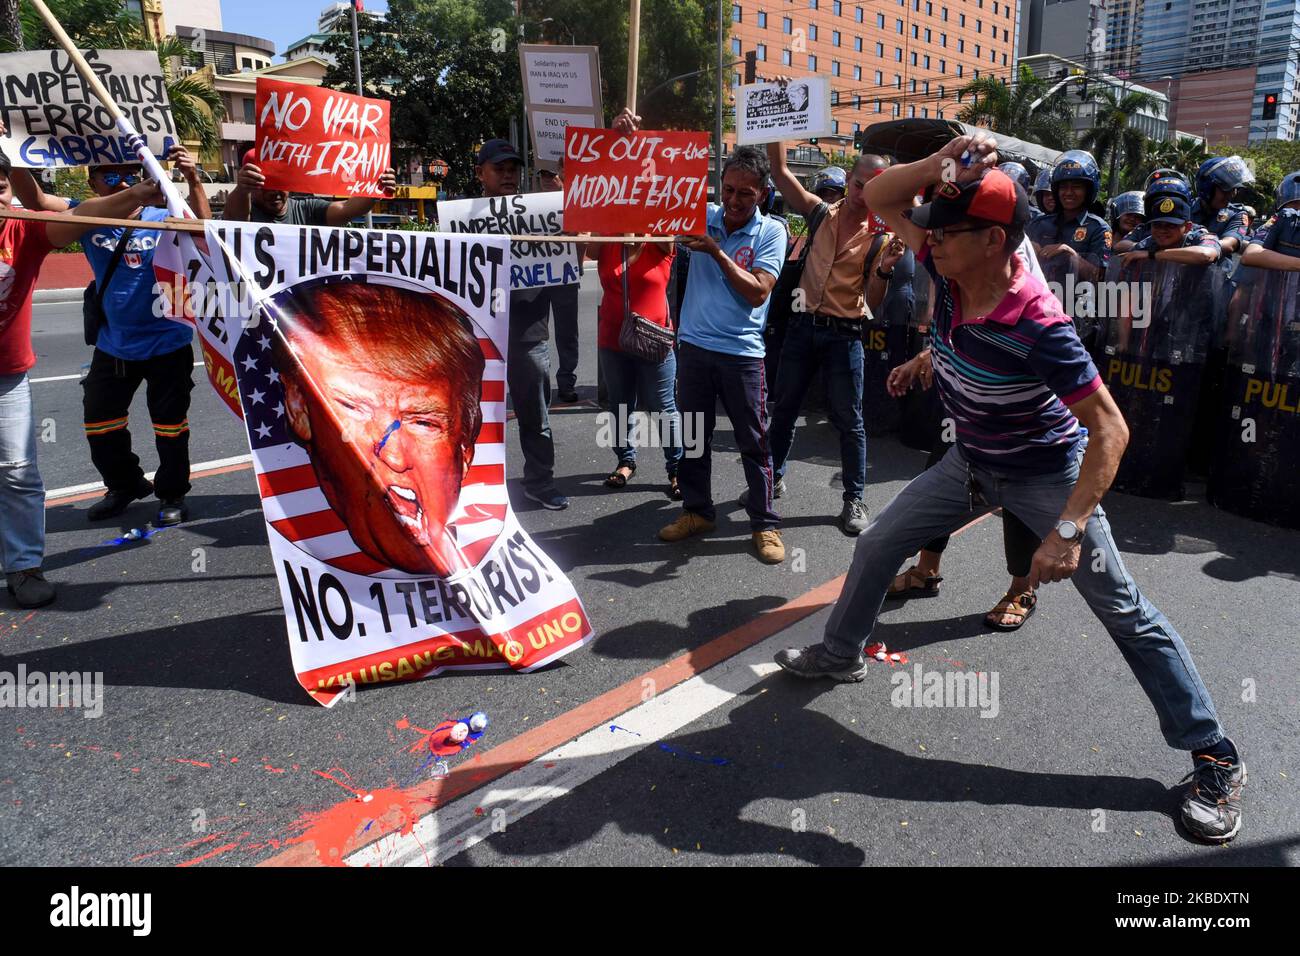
column 191, row 225
column 175, row 204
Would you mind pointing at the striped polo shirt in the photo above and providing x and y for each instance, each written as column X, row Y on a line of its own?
column 1007, row 378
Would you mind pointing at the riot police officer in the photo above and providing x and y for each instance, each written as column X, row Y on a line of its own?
column 1217, row 182
column 1126, row 213
column 1044, row 203
column 1161, row 182
column 1276, row 243
column 1073, row 231
column 1018, row 173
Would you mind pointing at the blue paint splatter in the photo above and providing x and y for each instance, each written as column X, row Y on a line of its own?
column 135, row 534
column 614, row 727
column 379, row 445
column 715, row 761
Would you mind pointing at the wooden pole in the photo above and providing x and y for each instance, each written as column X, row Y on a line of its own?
column 175, row 204
column 633, row 51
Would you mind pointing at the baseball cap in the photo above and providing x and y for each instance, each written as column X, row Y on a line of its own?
column 994, row 197
column 496, row 151
column 1168, row 209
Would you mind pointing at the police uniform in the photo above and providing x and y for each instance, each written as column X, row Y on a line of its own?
column 1197, row 236
column 1085, row 233
column 1227, row 223
column 1281, row 233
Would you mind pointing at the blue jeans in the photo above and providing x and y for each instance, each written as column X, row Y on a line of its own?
column 804, row 351
column 22, row 493
column 634, row 385
column 938, row 501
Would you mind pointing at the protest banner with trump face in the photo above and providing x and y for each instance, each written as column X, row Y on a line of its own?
column 371, row 380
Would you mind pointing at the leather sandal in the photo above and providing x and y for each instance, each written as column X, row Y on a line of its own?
column 914, row 583
column 1019, row 606
column 616, row 477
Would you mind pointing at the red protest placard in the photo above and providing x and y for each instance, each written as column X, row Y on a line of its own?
column 647, row 182
column 321, row 141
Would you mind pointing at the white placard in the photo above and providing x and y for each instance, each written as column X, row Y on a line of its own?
column 548, row 132
column 533, row 264
column 767, row 112
column 55, row 120
column 558, row 77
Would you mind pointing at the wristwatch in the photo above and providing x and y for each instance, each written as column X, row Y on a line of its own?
column 1068, row 530
column 885, row 275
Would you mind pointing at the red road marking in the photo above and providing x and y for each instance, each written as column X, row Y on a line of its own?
column 205, row 473
column 527, row 747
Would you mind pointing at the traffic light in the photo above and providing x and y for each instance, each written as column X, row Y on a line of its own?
column 860, row 140
column 1270, row 106
column 751, row 66
column 813, row 141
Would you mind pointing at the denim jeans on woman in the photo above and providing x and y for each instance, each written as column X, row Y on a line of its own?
column 22, row 493
column 938, row 501
column 640, row 386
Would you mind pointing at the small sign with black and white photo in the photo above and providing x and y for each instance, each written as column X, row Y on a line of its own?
column 767, row 112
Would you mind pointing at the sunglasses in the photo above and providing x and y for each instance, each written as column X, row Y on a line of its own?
column 939, row 233
column 114, row 179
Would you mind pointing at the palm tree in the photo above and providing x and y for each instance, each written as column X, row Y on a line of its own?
column 196, row 105
column 1185, row 155
column 1111, row 137
column 1006, row 109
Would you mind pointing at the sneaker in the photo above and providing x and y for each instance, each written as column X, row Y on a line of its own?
column 548, row 498
column 777, row 491
column 115, row 502
column 172, row 511
column 29, row 588
column 816, row 661
column 853, row 519
column 769, row 547
column 688, row 524
column 1212, row 806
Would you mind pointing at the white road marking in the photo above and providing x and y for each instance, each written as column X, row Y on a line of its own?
column 467, row 821
column 69, row 378
column 99, row 485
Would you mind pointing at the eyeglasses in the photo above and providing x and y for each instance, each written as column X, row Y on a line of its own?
column 113, row 179
column 938, row 234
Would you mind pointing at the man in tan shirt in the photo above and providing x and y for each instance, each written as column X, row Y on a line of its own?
column 838, row 290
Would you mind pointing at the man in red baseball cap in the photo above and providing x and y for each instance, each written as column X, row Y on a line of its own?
column 251, row 201
column 1038, row 435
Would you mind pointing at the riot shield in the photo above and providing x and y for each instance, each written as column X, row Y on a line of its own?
column 885, row 340
column 1153, row 364
column 921, row 409
column 1079, row 300
column 1257, row 453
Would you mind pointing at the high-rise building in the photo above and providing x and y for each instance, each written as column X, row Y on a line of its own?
column 1074, row 29
column 1219, row 60
column 885, row 60
column 1123, row 35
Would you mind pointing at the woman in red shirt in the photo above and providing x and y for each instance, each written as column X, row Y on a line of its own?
column 633, row 384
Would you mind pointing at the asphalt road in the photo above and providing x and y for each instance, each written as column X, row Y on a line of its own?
column 207, row 751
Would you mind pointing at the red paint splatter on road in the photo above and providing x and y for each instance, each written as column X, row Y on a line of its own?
column 331, row 831
column 196, row 763
column 211, row 853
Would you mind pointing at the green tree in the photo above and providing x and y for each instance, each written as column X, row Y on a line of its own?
column 1185, row 155
column 1006, row 108
column 1270, row 161
column 451, row 67
column 1112, row 140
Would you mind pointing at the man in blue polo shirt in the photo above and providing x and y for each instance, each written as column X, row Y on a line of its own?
column 135, row 346
column 1039, row 435
column 734, row 266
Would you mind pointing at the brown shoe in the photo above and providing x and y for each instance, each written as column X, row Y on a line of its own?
column 769, row 547
column 688, row 524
